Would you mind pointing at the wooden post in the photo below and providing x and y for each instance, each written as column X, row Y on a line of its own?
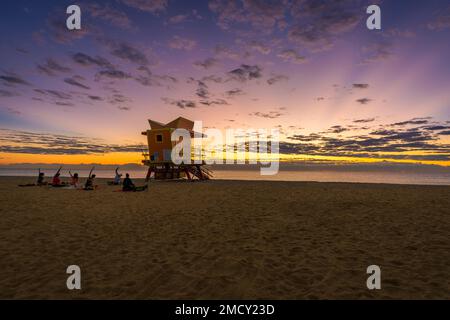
column 200, row 173
column 187, row 173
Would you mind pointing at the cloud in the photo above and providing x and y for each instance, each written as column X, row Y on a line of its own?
column 12, row 79
column 7, row 93
column 277, row 78
column 441, row 22
column 52, row 67
column 54, row 94
column 129, row 53
column 367, row 120
column 262, row 15
column 182, row 43
column 246, row 72
column 148, row 78
column 152, row 6
column 219, row 102
column 380, row 143
column 435, row 127
column 268, row 115
column 118, row 98
column 86, row 60
column 113, row 74
column 145, row 77
column 207, row 63
column 360, row 85
column 64, row 104
column 225, row 52
column 320, row 23
column 415, row 121
column 376, row 52
column 292, row 56
column 74, row 82
column 364, row 100
column 202, row 90
column 234, row 92
column 260, row 47
column 15, row 141
column 107, row 13
column 95, row 98
column 337, row 129
column 182, row 104
column 13, row 111
column 394, row 32
column 180, row 18
column 213, row 78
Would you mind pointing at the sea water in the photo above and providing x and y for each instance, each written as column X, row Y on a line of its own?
column 319, row 175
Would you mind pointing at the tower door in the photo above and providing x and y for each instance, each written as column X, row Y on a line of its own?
column 167, row 155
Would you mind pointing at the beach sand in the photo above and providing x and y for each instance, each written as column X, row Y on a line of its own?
column 225, row 240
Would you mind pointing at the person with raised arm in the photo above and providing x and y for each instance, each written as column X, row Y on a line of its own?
column 56, row 181
column 89, row 185
column 74, row 181
column 40, row 181
column 118, row 177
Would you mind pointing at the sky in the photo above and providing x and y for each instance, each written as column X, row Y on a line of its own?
column 336, row 90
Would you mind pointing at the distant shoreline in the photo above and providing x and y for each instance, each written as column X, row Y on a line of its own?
column 31, row 179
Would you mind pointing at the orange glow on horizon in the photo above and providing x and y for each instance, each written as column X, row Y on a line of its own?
column 121, row 158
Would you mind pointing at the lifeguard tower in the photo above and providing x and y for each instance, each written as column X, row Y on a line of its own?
column 159, row 156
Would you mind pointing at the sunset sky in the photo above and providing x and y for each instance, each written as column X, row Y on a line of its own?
column 336, row 90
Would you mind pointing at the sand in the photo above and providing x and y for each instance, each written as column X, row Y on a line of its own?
column 225, row 240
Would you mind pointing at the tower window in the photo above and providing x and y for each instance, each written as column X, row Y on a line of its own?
column 159, row 138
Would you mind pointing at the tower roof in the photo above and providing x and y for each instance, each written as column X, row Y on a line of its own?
column 178, row 123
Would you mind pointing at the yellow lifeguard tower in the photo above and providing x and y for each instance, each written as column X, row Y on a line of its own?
column 160, row 146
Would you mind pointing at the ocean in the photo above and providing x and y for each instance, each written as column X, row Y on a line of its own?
column 426, row 177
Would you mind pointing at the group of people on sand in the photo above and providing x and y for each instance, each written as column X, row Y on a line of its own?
column 74, row 183
column 56, row 182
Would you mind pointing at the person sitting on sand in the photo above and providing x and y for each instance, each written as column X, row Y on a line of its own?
column 117, row 178
column 74, row 180
column 89, row 185
column 128, row 185
column 56, row 181
column 40, row 180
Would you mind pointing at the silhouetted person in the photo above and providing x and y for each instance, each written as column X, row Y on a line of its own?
column 40, row 180
column 89, row 185
column 128, row 185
